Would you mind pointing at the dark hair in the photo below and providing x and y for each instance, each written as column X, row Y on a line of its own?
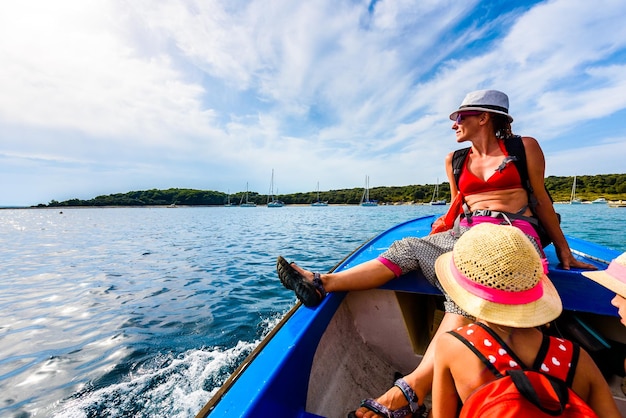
column 501, row 125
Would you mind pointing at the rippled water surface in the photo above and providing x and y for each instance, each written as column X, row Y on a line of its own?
column 145, row 312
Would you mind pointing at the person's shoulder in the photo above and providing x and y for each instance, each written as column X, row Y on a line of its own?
column 450, row 158
column 531, row 145
column 449, row 344
column 529, row 140
column 585, row 360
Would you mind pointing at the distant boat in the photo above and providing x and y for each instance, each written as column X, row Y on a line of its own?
column 618, row 204
column 229, row 203
column 599, row 201
column 272, row 202
column 435, row 201
column 246, row 204
column 365, row 199
column 319, row 202
column 573, row 200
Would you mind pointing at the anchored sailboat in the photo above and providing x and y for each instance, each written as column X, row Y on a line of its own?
column 573, row 200
column 272, row 202
column 229, row 203
column 319, row 202
column 246, row 204
column 435, row 201
column 365, row 199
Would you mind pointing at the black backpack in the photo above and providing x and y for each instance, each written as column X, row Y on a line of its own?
column 515, row 148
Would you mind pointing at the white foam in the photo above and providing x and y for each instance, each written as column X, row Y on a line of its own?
column 166, row 386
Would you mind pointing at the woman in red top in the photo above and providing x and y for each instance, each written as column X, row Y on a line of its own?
column 492, row 184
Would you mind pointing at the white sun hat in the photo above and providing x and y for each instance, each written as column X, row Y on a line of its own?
column 492, row 101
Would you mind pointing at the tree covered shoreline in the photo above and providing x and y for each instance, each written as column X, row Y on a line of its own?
column 609, row 186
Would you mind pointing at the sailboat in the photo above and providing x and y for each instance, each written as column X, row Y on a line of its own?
column 435, row 201
column 573, row 200
column 365, row 199
column 319, row 202
column 246, row 204
column 272, row 202
column 229, row 203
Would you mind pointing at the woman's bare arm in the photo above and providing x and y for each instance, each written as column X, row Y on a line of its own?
column 544, row 210
column 444, row 395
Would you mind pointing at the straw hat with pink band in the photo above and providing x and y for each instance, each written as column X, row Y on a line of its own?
column 613, row 278
column 495, row 274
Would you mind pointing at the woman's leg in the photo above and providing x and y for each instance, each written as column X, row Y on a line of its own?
column 420, row 379
column 368, row 275
column 407, row 254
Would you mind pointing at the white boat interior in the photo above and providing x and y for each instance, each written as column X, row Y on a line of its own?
column 377, row 334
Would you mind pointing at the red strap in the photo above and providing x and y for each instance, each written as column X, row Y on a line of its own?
column 556, row 362
column 490, row 347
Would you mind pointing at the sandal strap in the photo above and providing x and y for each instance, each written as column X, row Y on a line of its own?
column 381, row 409
column 409, row 394
column 317, row 282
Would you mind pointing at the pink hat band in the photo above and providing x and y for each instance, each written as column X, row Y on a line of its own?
column 496, row 295
column 617, row 271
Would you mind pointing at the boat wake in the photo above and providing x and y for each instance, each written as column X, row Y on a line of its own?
column 164, row 385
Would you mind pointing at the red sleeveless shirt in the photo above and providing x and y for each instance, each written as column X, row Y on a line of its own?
column 505, row 177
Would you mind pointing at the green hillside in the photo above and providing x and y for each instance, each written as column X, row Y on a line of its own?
column 609, row 186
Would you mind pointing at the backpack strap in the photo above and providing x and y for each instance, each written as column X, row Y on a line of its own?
column 556, row 357
column 489, row 348
column 458, row 161
column 515, row 148
column 524, row 385
column 478, row 354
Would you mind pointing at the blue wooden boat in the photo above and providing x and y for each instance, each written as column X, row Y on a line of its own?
column 320, row 362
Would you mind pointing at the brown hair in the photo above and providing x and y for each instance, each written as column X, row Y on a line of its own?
column 501, row 125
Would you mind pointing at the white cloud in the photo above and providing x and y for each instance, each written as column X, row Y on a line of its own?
column 215, row 93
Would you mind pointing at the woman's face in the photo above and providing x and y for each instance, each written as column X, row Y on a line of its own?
column 466, row 124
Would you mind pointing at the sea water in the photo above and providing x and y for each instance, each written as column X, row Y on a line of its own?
column 146, row 311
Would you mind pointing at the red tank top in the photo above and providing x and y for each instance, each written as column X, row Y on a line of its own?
column 505, row 177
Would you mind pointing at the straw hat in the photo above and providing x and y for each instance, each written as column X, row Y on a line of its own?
column 495, row 274
column 492, row 101
column 613, row 278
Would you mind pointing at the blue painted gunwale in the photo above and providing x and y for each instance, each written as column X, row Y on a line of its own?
column 273, row 380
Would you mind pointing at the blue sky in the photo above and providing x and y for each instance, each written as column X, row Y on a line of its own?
column 100, row 97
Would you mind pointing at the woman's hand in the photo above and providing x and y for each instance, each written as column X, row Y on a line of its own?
column 568, row 261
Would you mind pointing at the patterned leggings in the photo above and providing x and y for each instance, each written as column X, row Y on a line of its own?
column 410, row 254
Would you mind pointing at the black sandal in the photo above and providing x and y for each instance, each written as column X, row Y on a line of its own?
column 310, row 294
column 413, row 409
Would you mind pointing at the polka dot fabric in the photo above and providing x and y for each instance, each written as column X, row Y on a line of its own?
column 556, row 362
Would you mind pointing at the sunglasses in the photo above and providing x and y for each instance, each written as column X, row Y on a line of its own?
column 462, row 115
